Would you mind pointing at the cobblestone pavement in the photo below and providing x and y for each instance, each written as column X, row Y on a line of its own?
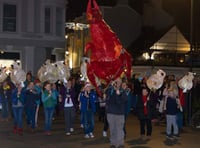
column 189, row 138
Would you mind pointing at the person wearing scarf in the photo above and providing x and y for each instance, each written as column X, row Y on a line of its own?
column 68, row 97
column 144, row 110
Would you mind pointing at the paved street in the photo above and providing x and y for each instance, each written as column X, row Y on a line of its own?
column 189, row 138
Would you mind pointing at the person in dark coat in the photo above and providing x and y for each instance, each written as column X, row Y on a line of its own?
column 31, row 96
column 5, row 98
column 144, row 109
column 116, row 103
column 68, row 97
column 18, row 97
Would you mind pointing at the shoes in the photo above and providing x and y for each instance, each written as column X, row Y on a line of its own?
column 169, row 137
column 15, row 130
column 48, row 133
column 142, row 137
column 20, row 131
column 121, row 146
column 104, row 134
column 91, row 135
column 148, row 138
column 32, row 130
column 87, row 136
column 68, row 133
column 113, row 146
column 71, row 129
column 176, row 136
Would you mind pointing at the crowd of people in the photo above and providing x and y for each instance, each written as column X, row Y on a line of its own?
column 113, row 106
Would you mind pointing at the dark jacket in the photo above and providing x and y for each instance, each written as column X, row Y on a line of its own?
column 116, row 104
column 140, row 108
column 171, row 106
column 5, row 95
column 64, row 92
column 15, row 98
column 88, row 102
column 30, row 98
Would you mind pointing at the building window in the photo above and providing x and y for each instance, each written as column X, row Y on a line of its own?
column 9, row 17
column 47, row 15
column 59, row 20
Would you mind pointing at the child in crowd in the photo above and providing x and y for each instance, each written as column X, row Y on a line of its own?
column 171, row 108
column 18, row 96
column 38, row 88
column 68, row 95
column 49, row 100
column 31, row 95
column 5, row 94
column 88, row 107
column 144, row 109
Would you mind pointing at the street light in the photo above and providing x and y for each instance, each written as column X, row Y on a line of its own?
column 76, row 26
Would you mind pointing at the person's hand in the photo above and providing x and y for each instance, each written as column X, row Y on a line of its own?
column 49, row 93
column 117, row 92
column 60, row 98
column 86, row 94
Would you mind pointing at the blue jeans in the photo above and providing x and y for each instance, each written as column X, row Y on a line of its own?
column 5, row 109
column 81, row 118
column 18, row 117
column 88, row 121
column 48, row 113
column 171, row 121
column 30, row 119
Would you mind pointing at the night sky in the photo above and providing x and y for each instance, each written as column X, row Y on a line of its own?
column 75, row 8
column 178, row 9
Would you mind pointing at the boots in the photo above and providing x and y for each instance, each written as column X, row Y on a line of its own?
column 15, row 129
column 20, row 131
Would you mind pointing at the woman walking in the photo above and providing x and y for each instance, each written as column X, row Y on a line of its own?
column 18, row 96
column 49, row 100
column 68, row 95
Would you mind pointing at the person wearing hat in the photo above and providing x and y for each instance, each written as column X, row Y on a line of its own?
column 88, row 99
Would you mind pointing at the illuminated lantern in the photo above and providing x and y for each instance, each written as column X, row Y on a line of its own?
column 3, row 74
column 186, row 83
column 17, row 75
column 108, row 58
column 155, row 81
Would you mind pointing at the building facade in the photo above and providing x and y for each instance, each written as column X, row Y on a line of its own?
column 32, row 30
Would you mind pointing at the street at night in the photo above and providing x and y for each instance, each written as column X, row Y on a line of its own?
column 66, row 65
column 189, row 138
